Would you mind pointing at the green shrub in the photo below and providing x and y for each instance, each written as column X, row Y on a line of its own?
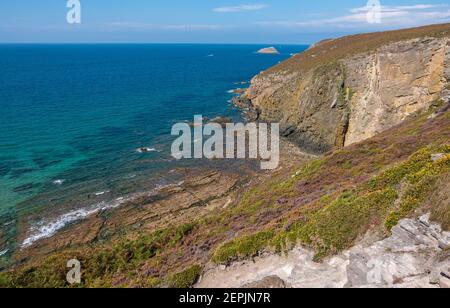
column 394, row 175
column 99, row 264
column 5, row 280
column 419, row 187
column 243, row 247
column 186, row 278
column 336, row 226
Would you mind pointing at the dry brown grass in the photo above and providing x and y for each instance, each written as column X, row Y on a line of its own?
column 333, row 50
column 439, row 203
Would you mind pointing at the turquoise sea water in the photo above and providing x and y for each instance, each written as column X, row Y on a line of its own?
column 72, row 116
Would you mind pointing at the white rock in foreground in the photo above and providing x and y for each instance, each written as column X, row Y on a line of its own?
column 409, row 258
column 412, row 257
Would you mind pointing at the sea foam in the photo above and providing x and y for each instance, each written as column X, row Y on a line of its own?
column 47, row 229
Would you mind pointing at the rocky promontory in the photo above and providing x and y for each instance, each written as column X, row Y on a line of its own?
column 342, row 91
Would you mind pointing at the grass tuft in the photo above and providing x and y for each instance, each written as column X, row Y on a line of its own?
column 242, row 248
column 186, row 278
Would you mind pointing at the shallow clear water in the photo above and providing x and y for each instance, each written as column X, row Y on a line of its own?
column 72, row 116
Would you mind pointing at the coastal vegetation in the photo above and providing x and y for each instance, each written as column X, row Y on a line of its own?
column 333, row 50
column 326, row 204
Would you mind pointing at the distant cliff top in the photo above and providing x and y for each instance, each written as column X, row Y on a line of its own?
column 331, row 50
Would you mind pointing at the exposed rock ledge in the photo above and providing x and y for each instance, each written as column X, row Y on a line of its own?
column 416, row 255
column 200, row 193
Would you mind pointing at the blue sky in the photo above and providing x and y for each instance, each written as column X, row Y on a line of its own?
column 208, row 21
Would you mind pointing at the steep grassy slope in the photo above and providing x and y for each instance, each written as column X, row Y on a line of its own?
column 327, row 205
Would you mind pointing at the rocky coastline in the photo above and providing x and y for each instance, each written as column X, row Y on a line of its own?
column 367, row 208
column 201, row 191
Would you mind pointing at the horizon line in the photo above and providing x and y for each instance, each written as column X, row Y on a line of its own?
column 144, row 43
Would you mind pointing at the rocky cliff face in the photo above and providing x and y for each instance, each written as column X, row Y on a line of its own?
column 396, row 81
column 339, row 93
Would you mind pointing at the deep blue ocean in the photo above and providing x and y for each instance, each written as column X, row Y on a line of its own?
column 72, row 116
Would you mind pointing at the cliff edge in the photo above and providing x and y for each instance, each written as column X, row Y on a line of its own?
column 346, row 90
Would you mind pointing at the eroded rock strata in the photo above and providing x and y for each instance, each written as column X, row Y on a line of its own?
column 198, row 195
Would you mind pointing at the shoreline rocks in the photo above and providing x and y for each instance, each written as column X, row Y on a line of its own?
column 200, row 193
column 222, row 121
column 238, row 91
column 145, row 150
column 250, row 113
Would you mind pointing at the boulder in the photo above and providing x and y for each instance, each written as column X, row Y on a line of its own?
column 413, row 251
column 444, row 282
column 270, row 282
column 221, row 120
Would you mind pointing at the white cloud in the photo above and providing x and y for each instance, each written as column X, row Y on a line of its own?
column 444, row 15
column 408, row 15
column 399, row 8
column 240, row 8
column 177, row 27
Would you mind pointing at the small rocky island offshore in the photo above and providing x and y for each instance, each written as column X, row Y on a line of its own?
column 268, row 50
column 361, row 197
